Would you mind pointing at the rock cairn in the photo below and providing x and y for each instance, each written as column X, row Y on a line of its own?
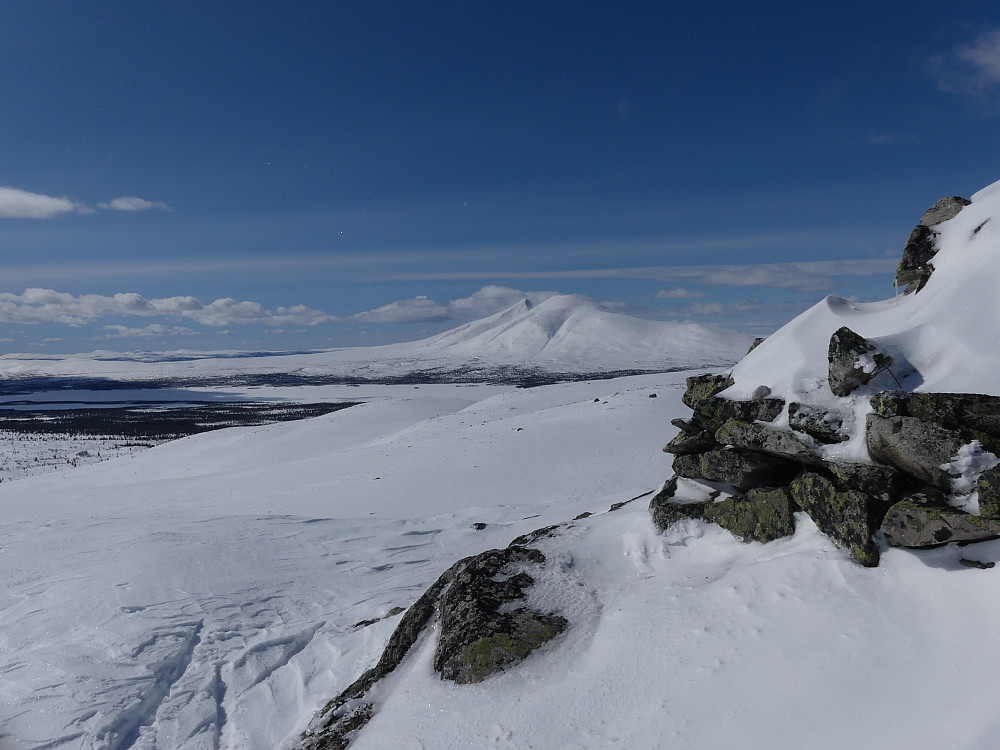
column 929, row 452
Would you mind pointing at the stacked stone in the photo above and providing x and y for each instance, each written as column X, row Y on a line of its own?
column 913, row 440
column 773, row 472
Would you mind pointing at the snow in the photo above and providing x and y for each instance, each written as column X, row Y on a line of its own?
column 203, row 593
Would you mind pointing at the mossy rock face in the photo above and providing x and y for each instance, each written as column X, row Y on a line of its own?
column 877, row 480
column 761, row 515
column 988, row 488
column 974, row 411
column 757, row 437
column 714, row 412
column 477, row 638
column 917, row 524
column 522, row 633
column 849, row 517
column 691, row 442
column 702, row 387
column 742, row 469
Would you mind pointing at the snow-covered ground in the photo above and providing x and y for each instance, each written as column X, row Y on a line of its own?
column 202, row 594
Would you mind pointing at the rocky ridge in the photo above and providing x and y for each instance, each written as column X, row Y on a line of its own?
column 927, row 474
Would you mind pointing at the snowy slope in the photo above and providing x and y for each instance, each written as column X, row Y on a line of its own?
column 945, row 338
column 202, row 594
column 573, row 333
column 564, row 333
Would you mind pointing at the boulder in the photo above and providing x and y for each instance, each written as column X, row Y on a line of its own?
column 853, row 361
column 915, row 447
column 712, row 413
column 825, row 425
column 973, row 411
column 691, row 442
column 910, row 523
column 988, row 489
column 757, row 437
column 666, row 511
column 701, row 387
column 742, row 469
column 943, row 210
column 483, row 631
column 761, row 515
column 878, row 480
column 849, row 517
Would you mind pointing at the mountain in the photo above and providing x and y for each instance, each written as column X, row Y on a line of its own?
column 572, row 333
column 562, row 334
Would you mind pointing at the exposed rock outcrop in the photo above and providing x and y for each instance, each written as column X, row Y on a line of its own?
column 915, row 267
column 931, row 523
column 485, row 628
column 849, row 517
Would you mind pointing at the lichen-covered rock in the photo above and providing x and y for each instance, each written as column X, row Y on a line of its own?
column 973, row 411
column 338, row 721
column 915, row 447
column 890, row 403
column 712, row 413
column 825, row 425
column 988, row 489
column 915, row 524
column 701, row 387
column 761, row 515
column 690, row 442
column 877, row 480
column 742, row 469
column 757, row 437
column 479, row 635
column 853, row 361
column 849, row 517
column 666, row 512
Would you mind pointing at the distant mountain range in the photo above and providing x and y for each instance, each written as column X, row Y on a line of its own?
column 561, row 337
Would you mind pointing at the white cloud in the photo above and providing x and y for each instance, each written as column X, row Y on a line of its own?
column 50, row 306
column 487, row 301
column 22, row 204
column 715, row 308
column 132, row 203
column 149, row 331
column 678, row 293
column 804, row 275
column 970, row 69
column 417, row 310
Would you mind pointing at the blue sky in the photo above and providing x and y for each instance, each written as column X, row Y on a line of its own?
column 294, row 175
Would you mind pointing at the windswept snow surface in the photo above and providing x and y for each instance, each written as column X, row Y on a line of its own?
column 944, row 338
column 564, row 333
column 202, row 594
